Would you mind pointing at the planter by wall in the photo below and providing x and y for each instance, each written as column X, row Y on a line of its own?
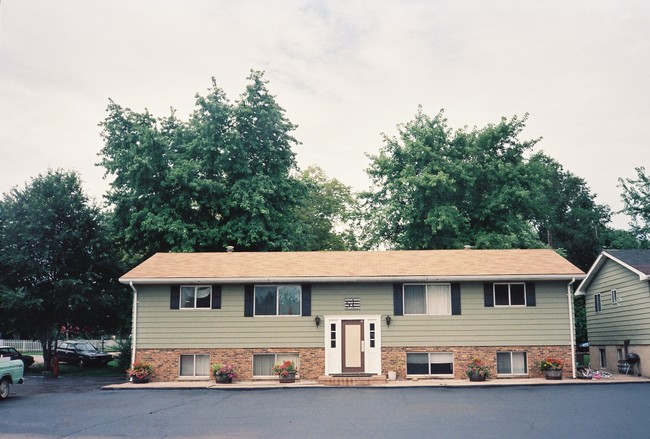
column 290, row 378
column 555, row 374
column 222, row 380
column 477, row 377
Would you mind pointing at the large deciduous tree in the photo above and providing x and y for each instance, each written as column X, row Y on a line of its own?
column 435, row 188
column 225, row 177
column 57, row 265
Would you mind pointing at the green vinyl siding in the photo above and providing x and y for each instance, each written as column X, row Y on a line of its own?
column 627, row 320
column 160, row 327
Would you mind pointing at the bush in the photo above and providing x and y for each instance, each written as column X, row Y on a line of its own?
column 124, row 360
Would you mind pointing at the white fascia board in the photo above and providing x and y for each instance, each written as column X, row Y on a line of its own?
column 350, row 279
column 642, row 275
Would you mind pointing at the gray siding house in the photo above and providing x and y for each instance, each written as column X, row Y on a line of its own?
column 617, row 293
column 419, row 313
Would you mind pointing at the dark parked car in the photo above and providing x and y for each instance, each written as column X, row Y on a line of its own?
column 8, row 351
column 82, row 354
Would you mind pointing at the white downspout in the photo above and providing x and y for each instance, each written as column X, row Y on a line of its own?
column 572, row 328
column 134, row 328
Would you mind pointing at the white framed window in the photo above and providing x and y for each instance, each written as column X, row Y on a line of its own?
column 614, row 297
column 196, row 296
column 512, row 363
column 597, row 303
column 603, row 357
column 194, row 365
column 263, row 363
column 278, row 300
column 431, row 299
column 509, row 294
column 430, row 363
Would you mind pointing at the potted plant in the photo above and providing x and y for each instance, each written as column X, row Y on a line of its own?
column 140, row 372
column 223, row 373
column 286, row 371
column 477, row 371
column 552, row 368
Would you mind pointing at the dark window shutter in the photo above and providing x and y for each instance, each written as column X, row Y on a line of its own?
column 455, row 299
column 249, row 297
column 530, row 294
column 398, row 301
column 306, row 299
column 488, row 294
column 216, row 296
column 175, row 297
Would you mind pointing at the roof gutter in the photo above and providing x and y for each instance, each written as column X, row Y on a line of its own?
column 347, row 279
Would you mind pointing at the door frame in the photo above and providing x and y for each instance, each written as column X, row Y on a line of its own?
column 345, row 347
column 333, row 339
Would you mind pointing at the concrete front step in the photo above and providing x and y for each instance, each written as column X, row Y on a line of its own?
column 364, row 380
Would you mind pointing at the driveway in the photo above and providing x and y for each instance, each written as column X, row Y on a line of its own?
column 594, row 411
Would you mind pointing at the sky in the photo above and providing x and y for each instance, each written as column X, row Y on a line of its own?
column 344, row 71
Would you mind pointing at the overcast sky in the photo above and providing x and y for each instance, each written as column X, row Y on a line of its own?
column 344, row 71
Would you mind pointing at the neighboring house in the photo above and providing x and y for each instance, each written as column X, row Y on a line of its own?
column 420, row 313
column 617, row 294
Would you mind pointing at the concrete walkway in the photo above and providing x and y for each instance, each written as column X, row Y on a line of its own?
column 274, row 384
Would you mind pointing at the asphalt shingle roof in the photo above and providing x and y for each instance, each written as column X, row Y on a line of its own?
column 379, row 264
column 639, row 259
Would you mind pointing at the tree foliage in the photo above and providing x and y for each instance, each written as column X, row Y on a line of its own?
column 434, row 188
column 439, row 188
column 224, row 177
column 327, row 213
column 566, row 213
column 636, row 199
column 57, row 265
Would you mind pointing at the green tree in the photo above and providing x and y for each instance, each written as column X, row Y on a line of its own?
column 326, row 213
column 566, row 214
column 225, row 177
column 636, row 199
column 434, row 188
column 57, row 265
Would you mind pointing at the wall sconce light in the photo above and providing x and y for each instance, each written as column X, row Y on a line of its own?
column 317, row 320
column 388, row 319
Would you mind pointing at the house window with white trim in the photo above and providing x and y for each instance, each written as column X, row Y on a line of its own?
column 277, row 300
column 196, row 296
column 509, row 294
column 614, row 297
column 597, row 304
column 603, row 357
column 430, row 363
column 512, row 363
column 263, row 363
column 431, row 299
column 194, row 365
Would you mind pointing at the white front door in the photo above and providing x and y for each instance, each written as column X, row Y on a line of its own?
column 352, row 344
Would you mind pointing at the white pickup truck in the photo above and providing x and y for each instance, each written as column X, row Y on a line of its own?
column 11, row 372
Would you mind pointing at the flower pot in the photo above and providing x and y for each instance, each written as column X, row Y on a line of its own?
column 290, row 378
column 392, row 375
column 553, row 374
column 222, row 379
column 140, row 380
column 476, row 377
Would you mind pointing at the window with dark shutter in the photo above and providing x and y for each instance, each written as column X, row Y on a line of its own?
column 530, row 294
column 488, row 294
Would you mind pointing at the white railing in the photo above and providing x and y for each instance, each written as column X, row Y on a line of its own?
column 35, row 346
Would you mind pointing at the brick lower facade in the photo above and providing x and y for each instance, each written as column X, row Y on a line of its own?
column 165, row 362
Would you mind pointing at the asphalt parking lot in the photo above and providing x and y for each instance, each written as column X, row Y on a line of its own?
column 77, row 408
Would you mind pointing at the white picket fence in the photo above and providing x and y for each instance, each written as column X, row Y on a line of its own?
column 35, row 346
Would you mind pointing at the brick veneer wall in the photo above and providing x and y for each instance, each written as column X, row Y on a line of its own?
column 166, row 362
column 312, row 360
column 395, row 358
